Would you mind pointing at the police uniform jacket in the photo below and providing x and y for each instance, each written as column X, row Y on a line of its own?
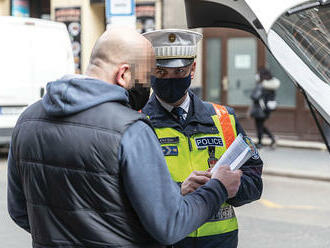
column 199, row 121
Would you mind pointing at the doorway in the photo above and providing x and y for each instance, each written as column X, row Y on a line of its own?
column 230, row 63
column 231, row 59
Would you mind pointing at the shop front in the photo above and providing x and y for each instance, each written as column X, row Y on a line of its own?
column 231, row 59
column 30, row 8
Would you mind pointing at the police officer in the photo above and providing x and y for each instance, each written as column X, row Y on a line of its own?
column 194, row 134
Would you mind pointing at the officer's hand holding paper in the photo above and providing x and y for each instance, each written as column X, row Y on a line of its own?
column 194, row 181
column 237, row 154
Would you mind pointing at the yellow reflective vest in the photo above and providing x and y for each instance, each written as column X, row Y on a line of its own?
column 198, row 152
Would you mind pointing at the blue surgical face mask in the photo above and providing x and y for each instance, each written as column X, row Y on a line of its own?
column 170, row 90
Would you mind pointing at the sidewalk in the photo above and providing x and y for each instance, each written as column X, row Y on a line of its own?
column 306, row 160
column 294, row 143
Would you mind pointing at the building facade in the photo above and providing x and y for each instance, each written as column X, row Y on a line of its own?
column 227, row 59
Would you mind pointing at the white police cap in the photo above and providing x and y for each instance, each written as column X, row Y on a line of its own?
column 174, row 47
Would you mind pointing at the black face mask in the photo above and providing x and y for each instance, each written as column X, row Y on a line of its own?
column 170, row 90
column 138, row 96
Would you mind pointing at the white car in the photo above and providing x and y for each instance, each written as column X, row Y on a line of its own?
column 33, row 52
column 296, row 32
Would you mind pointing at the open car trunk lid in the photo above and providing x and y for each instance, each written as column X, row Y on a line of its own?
column 296, row 32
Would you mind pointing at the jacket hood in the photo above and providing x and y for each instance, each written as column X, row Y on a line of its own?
column 272, row 84
column 71, row 95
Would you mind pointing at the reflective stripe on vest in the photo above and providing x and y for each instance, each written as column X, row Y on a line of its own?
column 187, row 154
column 226, row 123
column 216, row 227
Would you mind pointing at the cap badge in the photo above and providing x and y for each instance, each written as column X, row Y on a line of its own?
column 172, row 37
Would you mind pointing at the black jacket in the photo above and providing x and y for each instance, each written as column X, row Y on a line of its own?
column 258, row 110
column 84, row 170
column 89, row 202
column 199, row 121
column 262, row 93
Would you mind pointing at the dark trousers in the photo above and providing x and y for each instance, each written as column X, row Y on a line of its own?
column 261, row 129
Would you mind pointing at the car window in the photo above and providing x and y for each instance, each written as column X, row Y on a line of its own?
column 307, row 32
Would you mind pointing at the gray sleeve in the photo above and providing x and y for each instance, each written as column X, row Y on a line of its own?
column 164, row 212
column 15, row 196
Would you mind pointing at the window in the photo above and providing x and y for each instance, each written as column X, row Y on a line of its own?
column 307, row 32
column 242, row 67
column 213, row 72
column 286, row 93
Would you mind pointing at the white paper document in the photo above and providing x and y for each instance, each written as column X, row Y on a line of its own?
column 237, row 153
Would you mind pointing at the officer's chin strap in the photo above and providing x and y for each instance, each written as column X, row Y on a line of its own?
column 316, row 120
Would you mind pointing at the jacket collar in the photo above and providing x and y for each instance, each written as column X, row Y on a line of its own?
column 198, row 119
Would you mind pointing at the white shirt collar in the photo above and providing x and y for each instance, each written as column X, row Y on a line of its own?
column 185, row 105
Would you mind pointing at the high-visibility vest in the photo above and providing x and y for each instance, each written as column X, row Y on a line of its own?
column 187, row 154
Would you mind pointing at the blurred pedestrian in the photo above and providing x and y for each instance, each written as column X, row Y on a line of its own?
column 264, row 102
column 86, row 170
column 194, row 134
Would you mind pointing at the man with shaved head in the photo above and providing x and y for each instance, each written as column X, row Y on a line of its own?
column 86, row 170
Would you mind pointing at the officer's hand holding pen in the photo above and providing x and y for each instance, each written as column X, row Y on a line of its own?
column 230, row 179
column 194, row 181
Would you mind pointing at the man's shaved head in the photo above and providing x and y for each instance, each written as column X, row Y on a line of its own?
column 117, row 47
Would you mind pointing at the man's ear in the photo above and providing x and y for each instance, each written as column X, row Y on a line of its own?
column 123, row 76
column 193, row 69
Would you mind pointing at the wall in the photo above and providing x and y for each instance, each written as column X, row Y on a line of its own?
column 4, row 7
column 174, row 16
column 92, row 24
column 158, row 14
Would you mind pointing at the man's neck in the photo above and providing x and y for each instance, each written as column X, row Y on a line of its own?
column 97, row 72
